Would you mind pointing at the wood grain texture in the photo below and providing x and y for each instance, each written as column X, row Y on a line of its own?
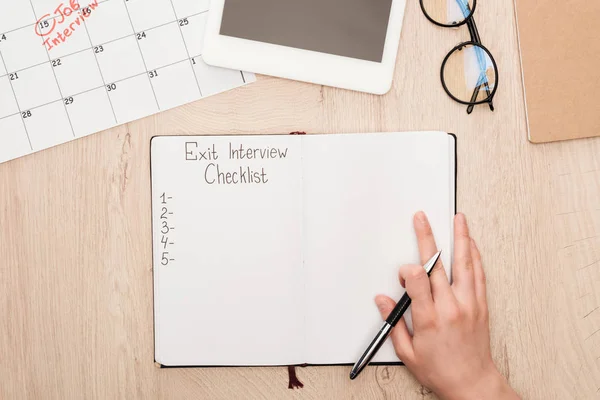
column 75, row 238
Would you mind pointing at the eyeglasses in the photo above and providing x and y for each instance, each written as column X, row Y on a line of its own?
column 469, row 73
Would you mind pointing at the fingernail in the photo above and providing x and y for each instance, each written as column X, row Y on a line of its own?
column 379, row 303
column 461, row 218
column 421, row 217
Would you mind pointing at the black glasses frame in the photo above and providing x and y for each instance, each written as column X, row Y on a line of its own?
column 475, row 41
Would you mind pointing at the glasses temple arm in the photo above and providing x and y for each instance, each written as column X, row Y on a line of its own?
column 473, row 98
column 491, row 100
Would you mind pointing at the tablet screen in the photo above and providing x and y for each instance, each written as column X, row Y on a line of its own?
column 349, row 28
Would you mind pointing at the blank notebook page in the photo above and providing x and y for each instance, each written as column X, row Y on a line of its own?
column 360, row 195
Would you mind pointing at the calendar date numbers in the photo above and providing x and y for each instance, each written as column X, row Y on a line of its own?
column 57, row 26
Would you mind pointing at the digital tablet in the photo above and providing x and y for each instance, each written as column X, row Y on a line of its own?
column 350, row 44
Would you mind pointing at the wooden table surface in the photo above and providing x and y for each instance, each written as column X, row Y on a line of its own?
column 75, row 237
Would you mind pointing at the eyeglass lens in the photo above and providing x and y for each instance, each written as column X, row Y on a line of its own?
column 448, row 12
column 469, row 74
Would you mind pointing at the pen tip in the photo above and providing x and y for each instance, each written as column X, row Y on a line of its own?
column 431, row 263
column 352, row 375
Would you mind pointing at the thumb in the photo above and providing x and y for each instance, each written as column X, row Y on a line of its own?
column 400, row 337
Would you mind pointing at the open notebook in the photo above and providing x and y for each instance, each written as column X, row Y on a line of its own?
column 269, row 249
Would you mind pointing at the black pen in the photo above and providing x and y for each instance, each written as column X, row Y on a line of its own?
column 390, row 322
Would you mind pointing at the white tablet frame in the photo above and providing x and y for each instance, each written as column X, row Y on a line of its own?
column 304, row 65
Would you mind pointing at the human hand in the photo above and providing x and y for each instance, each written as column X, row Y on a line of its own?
column 449, row 351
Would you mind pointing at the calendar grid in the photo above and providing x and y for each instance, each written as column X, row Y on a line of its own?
column 190, row 58
column 143, row 59
column 25, row 26
column 186, row 47
column 55, row 78
column 87, row 34
column 108, row 42
column 28, row 67
column 95, row 72
column 18, row 106
column 100, row 87
column 2, row 59
column 34, row 24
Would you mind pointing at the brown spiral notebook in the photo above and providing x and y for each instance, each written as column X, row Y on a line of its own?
column 560, row 57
